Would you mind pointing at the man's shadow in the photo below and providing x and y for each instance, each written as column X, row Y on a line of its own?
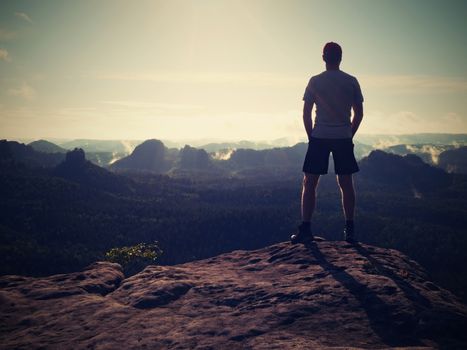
column 393, row 329
column 411, row 293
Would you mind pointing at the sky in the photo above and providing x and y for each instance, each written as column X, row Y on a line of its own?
column 224, row 69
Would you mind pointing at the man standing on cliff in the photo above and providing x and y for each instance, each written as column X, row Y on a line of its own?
column 335, row 95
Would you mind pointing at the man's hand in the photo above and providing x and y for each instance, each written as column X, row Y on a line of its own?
column 357, row 117
column 307, row 121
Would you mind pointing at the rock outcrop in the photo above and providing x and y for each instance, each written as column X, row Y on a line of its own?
column 321, row 296
column 193, row 158
column 76, row 168
column 402, row 173
column 148, row 156
column 454, row 160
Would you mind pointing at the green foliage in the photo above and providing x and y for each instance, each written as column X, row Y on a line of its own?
column 134, row 258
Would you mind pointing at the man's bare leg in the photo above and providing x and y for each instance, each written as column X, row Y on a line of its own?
column 310, row 183
column 348, row 195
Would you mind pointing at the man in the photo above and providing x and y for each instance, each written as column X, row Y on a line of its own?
column 335, row 94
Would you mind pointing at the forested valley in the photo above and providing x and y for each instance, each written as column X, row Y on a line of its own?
column 56, row 219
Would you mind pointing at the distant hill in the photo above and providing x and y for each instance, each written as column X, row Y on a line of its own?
column 213, row 147
column 408, row 171
column 241, row 157
column 361, row 150
column 428, row 152
column 102, row 159
column 154, row 156
column 283, row 157
column 385, row 140
column 46, row 147
column 454, row 160
column 370, row 140
column 15, row 152
column 402, row 172
column 117, row 146
column 76, row 168
column 193, row 158
column 151, row 155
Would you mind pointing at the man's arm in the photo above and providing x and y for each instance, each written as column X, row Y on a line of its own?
column 307, row 121
column 357, row 116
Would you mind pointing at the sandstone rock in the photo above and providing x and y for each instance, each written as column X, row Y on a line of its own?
column 321, row 296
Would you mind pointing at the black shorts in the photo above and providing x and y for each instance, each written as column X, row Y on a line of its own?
column 317, row 156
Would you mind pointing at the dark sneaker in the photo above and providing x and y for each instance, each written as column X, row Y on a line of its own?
column 349, row 235
column 302, row 235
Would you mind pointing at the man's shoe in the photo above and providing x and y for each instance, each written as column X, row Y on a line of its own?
column 302, row 235
column 349, row 235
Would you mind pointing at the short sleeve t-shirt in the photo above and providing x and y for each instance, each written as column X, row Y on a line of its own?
column 334, row 92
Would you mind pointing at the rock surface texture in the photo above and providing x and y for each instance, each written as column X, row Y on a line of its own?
column 324, row 295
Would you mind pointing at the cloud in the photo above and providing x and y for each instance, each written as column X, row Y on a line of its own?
column 23, row 16
column 6, row 35
column 408, row 122
column 394, row 123
column 452, row 117
column 414, row 83
column 4, row 56
column 145, row 104
column 398, row 83
column 25, row 91
column 250, row 78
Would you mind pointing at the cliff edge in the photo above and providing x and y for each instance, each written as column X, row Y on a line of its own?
column 321, row 296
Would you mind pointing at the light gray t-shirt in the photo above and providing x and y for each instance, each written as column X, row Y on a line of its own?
column 334, row 92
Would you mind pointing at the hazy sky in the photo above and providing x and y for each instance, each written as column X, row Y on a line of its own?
column 234, row 69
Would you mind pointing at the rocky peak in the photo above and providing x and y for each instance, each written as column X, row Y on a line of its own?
column 149, row 147
column 320, row 296
column 407, row 171
column 76, row 157
column 149, row 156
column 193, row 158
